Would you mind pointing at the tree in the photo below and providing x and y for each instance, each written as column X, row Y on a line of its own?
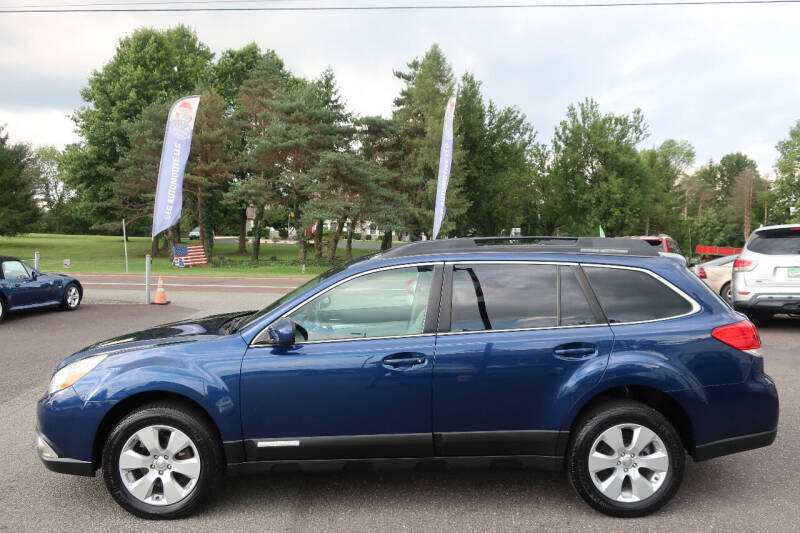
column 787, row 182
column 419, row 110
column 19, row 209
column 660, row 201
column 149, row 66
column 263, row 154
column 46, row 175
column 210, row 164
column 596, row 170
column 134, row 186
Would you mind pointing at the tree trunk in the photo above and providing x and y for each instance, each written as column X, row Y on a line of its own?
column 335, row 238
column 154, row 246
column 242, row 232
column 318, row 239
column 349, row 247
column 257, row 227
column 700, row 210
column 647, row 226
column 171, row 239
column 386, row 240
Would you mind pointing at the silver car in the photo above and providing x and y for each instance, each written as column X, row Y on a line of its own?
column 766, row 276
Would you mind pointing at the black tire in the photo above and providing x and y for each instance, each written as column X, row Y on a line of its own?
column 184, row 418
column 724, row 292
column 3, row 309
column 592, row 425
column 65, row 299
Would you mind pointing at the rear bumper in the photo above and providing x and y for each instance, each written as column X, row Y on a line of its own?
column 775, row 303
column 734, row 445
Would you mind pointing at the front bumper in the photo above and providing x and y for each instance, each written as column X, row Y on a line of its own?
column 52, row 460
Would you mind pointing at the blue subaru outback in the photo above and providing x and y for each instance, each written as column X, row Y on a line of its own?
column 598, row 356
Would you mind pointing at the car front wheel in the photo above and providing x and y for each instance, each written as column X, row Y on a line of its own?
column 625, row 459
column 162, row 461
column 72, row 297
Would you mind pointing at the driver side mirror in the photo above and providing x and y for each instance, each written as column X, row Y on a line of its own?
column 281, row 332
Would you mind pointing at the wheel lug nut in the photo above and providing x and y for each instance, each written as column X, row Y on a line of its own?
column 626, row 469
column 634, row 465
column 618, row 462
column 165, row 457
column 161, row 472
column 153, row 466
column 169, row 467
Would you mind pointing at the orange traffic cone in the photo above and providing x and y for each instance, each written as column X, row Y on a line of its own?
column 161, row 295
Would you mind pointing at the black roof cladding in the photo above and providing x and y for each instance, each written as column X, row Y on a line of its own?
column 566, row 245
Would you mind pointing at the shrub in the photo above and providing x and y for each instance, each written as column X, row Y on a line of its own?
column 357, row 235
column 367, row 237
column 283, row 233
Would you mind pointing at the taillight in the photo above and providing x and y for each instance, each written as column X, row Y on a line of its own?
column 740, row 335
column 743, row 265
column 702, row 273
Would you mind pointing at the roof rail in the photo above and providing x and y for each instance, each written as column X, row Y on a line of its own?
column 526, row 244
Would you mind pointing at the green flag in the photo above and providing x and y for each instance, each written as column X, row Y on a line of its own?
column 602, row 233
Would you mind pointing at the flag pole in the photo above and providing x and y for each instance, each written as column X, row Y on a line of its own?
column 125, row 244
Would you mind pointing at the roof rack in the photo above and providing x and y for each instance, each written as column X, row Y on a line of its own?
column 527, row 244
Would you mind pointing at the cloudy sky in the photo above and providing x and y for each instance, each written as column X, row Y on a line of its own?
column 725, row 78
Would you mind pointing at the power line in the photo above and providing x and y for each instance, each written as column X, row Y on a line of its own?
column 409, row 7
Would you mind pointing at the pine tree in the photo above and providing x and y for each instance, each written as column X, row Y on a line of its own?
column 18, row 211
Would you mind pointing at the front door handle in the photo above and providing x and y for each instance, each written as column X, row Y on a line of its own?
column 575, row 350
column 398, row 360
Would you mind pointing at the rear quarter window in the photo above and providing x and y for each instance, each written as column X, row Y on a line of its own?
column 634, row 296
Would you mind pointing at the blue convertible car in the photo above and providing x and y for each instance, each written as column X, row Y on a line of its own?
column 598, row 356
column 23, row 288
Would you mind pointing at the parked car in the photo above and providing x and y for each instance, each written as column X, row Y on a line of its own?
column 22, row 287
column 195, row 233
column 766, row 276
column 597, row 356
column 664, row 243
column 717, row 274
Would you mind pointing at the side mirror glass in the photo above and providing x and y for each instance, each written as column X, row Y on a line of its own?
column 281, row 332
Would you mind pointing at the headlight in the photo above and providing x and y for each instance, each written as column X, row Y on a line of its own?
column 73, row 372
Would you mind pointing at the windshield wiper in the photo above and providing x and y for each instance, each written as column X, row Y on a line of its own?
column 233, row 325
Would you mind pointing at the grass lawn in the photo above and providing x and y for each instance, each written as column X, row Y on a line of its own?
column 101, row 253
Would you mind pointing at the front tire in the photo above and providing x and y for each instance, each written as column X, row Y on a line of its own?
column 625, row 459
column 72, row 297
column 2, row 308
column 727, row 293
column 162, row 461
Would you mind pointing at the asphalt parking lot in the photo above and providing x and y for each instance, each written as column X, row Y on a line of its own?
column 757, row 490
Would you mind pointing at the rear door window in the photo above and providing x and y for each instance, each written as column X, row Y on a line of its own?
column 634, row 296
column 775, row 242
column 517, row 296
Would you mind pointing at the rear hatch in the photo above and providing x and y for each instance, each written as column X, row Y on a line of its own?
column 776, row 253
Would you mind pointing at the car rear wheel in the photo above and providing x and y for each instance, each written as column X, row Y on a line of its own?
column 727, row 293
column 72, row 297
column 625, row 459
column 2, row 309
column 162, row 461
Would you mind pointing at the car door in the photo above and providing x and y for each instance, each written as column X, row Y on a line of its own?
column 357, row 382
column 518, row 342
column 22, row 289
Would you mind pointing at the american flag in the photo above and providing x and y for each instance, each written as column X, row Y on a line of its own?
column 190, row 255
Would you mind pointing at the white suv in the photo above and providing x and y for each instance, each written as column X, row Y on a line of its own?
column 766, row 276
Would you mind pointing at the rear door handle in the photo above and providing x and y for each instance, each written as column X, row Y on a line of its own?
column 575, row 350
column 403, row 360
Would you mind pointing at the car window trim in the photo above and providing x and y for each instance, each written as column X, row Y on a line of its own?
column 695, row 307
column 437, row 265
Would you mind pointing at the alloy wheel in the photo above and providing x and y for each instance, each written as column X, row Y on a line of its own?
column 628, row 463
column 73, row 296
column 159, row 465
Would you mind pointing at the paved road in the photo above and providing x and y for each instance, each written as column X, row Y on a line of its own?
column 752, row 491
column 196, row 283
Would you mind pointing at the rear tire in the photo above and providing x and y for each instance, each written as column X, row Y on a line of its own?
column 2, row 309
column 162, row 461
column 638, row 472
column 727, row 293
